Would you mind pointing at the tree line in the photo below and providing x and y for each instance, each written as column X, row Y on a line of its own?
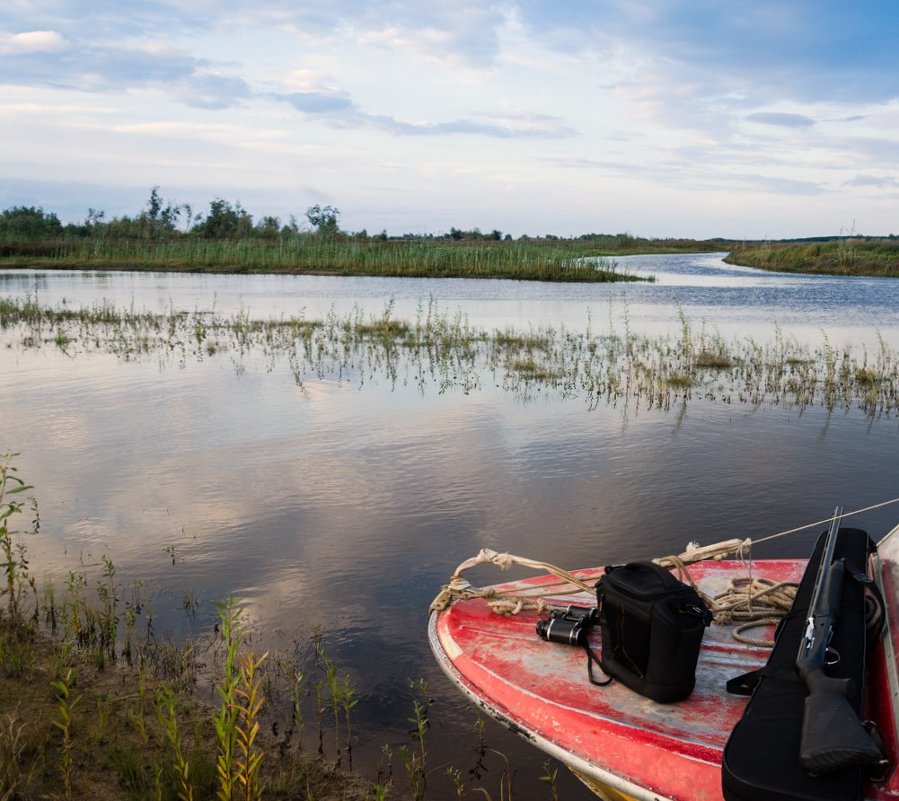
column 161, row 219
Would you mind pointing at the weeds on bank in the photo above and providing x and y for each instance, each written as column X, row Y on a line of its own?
column 12, row 546
column 103, row 709
column 66, row 701
column 15, row 777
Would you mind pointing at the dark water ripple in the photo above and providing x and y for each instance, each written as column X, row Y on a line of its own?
column 344, row 509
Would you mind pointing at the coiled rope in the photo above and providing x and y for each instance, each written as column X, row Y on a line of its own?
column 749, row 602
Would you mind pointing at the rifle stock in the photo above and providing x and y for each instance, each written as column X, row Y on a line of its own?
column 833, row 737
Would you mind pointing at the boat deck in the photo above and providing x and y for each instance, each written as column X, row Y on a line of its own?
column 612, row 735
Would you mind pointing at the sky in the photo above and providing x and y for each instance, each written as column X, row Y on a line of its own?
column 695, row 118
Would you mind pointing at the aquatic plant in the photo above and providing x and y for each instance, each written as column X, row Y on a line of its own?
column 15, row 565
column 415, row 759
column 444, row 351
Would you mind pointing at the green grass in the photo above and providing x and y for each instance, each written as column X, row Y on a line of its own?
column 842, row 256
column 563, row 261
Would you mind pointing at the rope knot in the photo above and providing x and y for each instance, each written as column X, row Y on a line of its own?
column 503, row 560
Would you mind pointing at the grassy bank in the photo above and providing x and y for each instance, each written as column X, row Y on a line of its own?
column 138, row 732
column 844, row 256
column 520, row 260
column 95, row 702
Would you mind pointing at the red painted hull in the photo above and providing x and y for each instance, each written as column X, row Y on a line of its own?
column 612, row 735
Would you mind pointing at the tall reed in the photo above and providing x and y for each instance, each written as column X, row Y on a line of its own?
column 248, row 759
column 537, row 260
column 167, row 715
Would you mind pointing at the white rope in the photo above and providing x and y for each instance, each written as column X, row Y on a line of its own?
column 748, row 601
column 460, row 588
column 762, row 601
column 823, row 522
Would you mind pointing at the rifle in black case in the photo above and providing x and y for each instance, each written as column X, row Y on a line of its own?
column 781, row 750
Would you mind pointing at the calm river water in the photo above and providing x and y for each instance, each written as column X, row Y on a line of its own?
column 346, row 507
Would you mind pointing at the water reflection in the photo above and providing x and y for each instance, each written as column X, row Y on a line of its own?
column 345, row 507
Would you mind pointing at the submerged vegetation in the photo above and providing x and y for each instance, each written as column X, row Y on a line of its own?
column 444, row 351
column 96, row 703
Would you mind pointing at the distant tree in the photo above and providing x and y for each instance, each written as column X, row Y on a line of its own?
column 225, row 221
column 29, row 223
column 292, row 227
column 496, row 235
column 159, row 218
column 94, row 225
column 456, row 233
column 268, row 227
column 94, row 218
column 190, row 219
column 324, row 220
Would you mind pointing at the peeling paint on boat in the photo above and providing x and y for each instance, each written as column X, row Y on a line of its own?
column 622, row 744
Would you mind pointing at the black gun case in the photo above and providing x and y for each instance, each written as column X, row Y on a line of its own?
column 761, row 757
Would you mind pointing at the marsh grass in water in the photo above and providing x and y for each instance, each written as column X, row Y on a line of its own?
column 445, row 352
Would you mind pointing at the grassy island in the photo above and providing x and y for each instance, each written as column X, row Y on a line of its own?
column 842, row 256
column 166, row 237
column 311, row 255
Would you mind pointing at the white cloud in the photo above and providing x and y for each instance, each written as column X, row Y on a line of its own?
column 32, row 42
column 450, row 110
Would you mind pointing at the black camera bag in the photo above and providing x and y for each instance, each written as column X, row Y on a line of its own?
column 652, row 626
